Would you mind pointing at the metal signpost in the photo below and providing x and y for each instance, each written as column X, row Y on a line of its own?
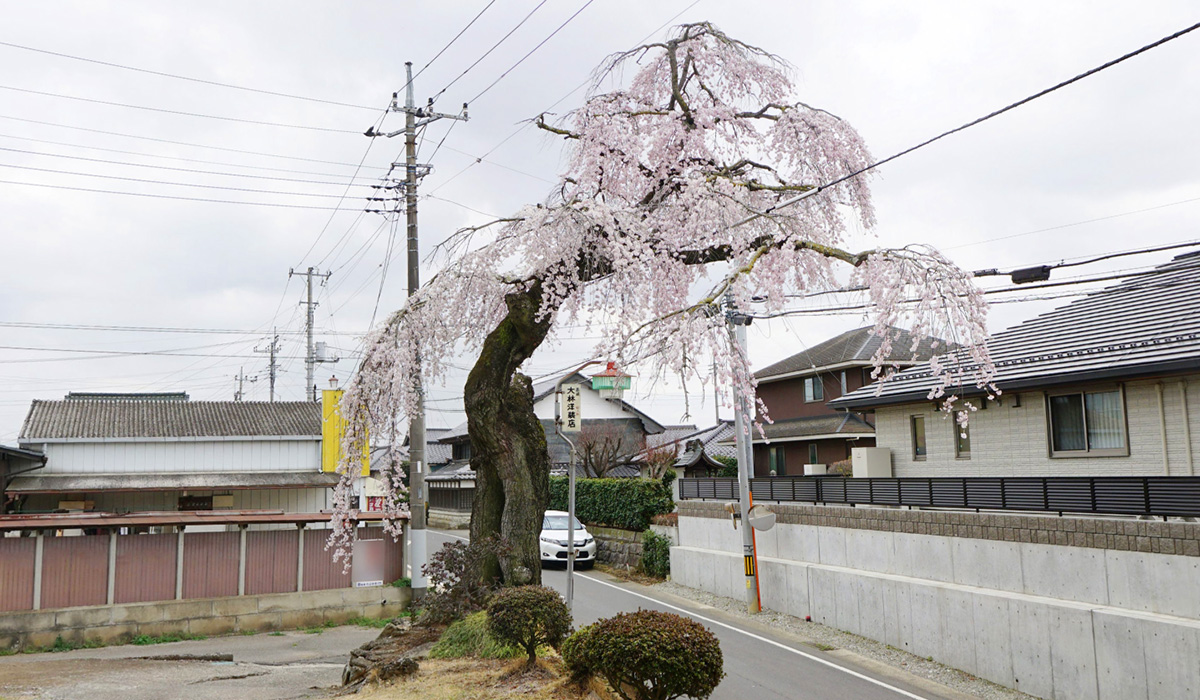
column 568, row 416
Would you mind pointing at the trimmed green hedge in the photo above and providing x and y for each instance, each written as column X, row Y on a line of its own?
column 625, row 503
column 656, row 554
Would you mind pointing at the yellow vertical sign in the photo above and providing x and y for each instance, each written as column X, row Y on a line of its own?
column 333, row 426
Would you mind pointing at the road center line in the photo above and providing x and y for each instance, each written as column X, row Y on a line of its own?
column 760, row 638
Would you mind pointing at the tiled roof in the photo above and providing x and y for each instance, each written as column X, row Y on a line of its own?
column 1145, row 326
column 670, row 434
column 848, row 424
column 690, row 448
column 75, row 419
column 857, row 346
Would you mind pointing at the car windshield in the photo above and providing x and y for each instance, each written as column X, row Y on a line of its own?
column 558, row 522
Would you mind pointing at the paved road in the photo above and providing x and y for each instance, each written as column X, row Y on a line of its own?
column 266, row 667
column 760, row 664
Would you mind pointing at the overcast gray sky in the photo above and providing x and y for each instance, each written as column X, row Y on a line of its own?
column 1120, row 143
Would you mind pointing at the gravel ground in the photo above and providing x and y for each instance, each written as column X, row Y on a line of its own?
column 822, row 637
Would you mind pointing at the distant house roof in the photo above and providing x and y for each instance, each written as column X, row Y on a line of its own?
column 154, row 418
column 671, row 434
column 815, row 428
column 458, row 470
column 198, row 481
column 1146, row 326
column 855, row 347
column 436, row 453
column 692, row 448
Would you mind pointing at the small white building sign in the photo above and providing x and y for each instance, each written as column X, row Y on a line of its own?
column 572, row 405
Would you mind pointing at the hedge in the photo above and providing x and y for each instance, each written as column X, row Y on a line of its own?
column 624, row 503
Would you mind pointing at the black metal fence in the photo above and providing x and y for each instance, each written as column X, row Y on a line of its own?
column 1116, row 495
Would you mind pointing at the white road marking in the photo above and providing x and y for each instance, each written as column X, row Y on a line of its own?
column 760, row 638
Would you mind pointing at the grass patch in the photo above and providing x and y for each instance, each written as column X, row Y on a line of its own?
column 145, row 639
column 405, row 582
column 377, row 623
column 59, row 644
column 823, row 646
column 318, row 629
column 276, row 634
column 469, row 637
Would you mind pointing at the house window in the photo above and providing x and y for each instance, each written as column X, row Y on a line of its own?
column 461, row 450
column 775, row 461
column 1087, row 423
column 918, row 437
column 844, row 392
column 962, row 441
column 813, row 391
column 812, row 453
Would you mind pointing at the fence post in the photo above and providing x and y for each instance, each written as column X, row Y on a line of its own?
column 38, row 551
column 112, row 566
column 242, row 559
column 300, row 557
column 179, row 565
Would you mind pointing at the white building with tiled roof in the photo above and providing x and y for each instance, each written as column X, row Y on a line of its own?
column 148, row 452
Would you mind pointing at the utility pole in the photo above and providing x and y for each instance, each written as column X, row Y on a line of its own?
column 273, row 348
column 736, row 322
column 241, row 378
column 415, row 117
column 310, row 359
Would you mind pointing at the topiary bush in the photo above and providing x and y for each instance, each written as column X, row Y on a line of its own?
column 622, row 503
column 529, row 617
column 648, row 655
column 454, row 591
column 656, row 554
column 470, row 637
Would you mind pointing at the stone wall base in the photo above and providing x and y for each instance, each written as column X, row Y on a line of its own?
column 118, row 624
column 620, row 548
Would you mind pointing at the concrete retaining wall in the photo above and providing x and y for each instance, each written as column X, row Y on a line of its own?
column 448, row 519
column 1055, row 621
column 616, row 547
column 118, row 624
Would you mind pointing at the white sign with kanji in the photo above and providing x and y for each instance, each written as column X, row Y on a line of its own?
column 572, row 408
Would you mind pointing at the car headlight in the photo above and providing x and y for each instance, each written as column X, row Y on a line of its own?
column 551, row 540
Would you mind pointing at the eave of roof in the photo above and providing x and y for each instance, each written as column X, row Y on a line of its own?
column 191, row 481
column 215, row 517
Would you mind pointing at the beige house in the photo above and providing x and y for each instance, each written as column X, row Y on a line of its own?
column 1104, row 386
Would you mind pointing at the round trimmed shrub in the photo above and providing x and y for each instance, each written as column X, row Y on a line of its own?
column 648, row 655
column 528, row 617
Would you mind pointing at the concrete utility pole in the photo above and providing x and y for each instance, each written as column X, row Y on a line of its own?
column 415, row 117
column 273, row 348
column 310, row 359
column 736, row 322
column 241, row 378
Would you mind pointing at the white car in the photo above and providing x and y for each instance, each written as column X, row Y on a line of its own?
column 554, row 541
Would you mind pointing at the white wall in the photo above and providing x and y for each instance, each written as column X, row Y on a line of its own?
column 1012, row 441
column 1059, row 622
column 593, row 407
column 182, row 456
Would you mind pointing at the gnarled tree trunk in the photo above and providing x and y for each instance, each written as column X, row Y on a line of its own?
column 508, row 445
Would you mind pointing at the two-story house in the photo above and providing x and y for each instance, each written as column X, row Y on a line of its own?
column 796, row 390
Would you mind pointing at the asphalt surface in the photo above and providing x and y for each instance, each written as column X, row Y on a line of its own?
column 760, row 663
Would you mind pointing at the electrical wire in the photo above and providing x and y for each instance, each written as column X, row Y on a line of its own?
column 448, row 45
column 182, row 77
column 489, row 51
column 179, row 170
column 143, row 329
column 177, row 111
column 175, row 143
column 165, row 196
column 531, row 52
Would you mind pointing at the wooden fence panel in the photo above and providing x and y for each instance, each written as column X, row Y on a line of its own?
column 16, row 573
column 271, row 557
column 321, row 572
column 145, row 568
column 210, row 564
column 74, row 571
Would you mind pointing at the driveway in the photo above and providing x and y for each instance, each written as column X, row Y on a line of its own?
column 264, row 667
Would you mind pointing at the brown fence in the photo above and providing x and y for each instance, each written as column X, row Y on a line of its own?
column 16, row 573
column 75, row 571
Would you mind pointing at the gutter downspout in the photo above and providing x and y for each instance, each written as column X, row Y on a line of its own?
column 1187, row 427
column 1162, row 429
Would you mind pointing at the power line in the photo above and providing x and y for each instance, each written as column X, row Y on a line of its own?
column 177, row 111
column 450, row 43
column 144, row 329
column 182, row 77
column 531, row 51
column 143, row 154
column 167, row 182
column 489, row 51
column 165, row 196
column 176, row 143
column 179, row 170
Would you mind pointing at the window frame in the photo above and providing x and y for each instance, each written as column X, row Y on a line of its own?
column 776, row 460
column 912, row 432
column 818, row 389
column 959, row 452
column 814, row 453
column 1087, row 450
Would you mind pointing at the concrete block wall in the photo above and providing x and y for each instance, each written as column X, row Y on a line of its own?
column 617, row 547
column 118, row 624
column 1056, row 621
